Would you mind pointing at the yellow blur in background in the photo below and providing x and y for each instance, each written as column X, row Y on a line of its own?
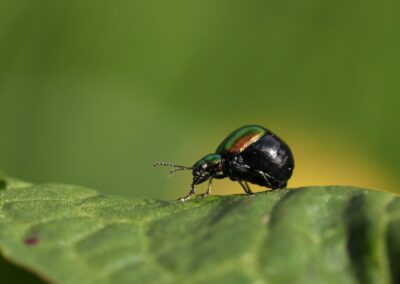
column 326, row 161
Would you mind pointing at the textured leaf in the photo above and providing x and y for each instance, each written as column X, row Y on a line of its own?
column 70, row 234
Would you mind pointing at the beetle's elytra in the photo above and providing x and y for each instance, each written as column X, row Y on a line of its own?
column 251, row 153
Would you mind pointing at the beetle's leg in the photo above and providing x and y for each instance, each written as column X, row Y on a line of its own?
column 191, row 192
column 271, row 186
column 208, row 192
column 242, row 168
column 246, row 187
column 265, row 176
column 209, row 186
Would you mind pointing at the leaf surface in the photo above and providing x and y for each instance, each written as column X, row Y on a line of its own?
column 70, row 234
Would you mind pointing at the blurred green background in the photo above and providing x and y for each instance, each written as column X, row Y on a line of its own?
column 93, row 92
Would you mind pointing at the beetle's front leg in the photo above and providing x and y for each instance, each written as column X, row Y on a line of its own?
column 187, row 197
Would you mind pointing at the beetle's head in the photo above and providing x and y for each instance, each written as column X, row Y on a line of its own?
column 207, row 167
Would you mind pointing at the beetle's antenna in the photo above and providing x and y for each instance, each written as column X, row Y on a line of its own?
column 166, row 164
column 177, row 168
column 173, row 171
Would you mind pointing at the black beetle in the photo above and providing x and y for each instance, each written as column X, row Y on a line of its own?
column 251, row 153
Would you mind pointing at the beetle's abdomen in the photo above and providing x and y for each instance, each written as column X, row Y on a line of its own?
column 270, row 155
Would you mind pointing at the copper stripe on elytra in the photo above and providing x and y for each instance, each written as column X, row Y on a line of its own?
column 244, row 142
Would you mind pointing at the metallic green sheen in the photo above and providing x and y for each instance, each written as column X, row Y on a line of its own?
column 236, row 135
column 208, row 159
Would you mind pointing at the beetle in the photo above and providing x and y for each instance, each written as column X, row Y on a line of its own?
column 251, row 153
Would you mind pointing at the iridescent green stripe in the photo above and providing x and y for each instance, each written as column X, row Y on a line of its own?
column 231, row 142
column 210, row 159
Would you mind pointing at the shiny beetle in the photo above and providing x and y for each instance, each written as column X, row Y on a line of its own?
column 251, row 153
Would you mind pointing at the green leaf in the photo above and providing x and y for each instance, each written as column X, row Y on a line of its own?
column 69, row 234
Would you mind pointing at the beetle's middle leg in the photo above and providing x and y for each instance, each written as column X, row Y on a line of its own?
column 246, row 187
column 208, row 192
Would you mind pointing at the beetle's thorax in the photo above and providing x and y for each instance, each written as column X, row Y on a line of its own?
column 210, row 166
